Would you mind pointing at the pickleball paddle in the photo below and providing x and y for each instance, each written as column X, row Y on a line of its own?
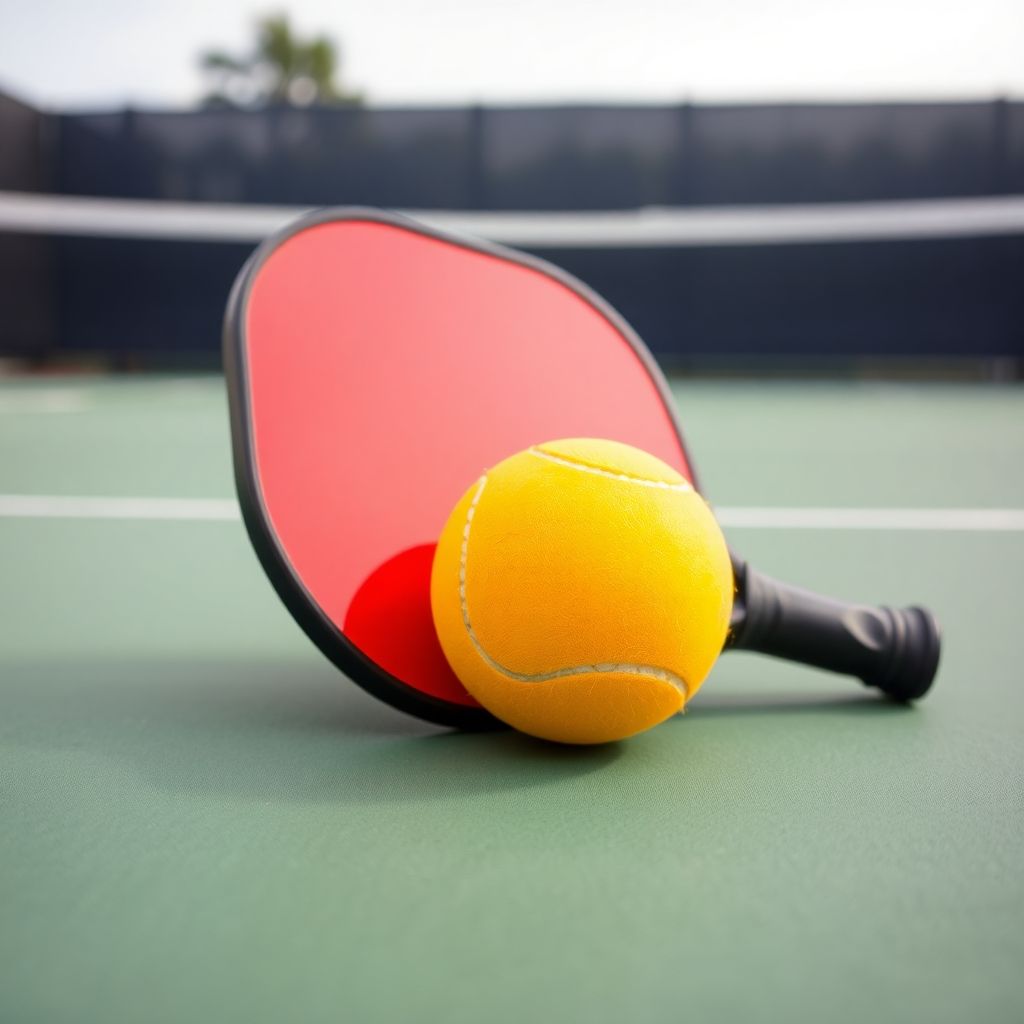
column 375, row 366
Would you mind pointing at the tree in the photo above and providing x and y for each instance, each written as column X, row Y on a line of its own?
column 281, row 69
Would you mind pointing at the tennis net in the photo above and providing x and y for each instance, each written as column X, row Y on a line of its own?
column 643, row 228
column 922, row 278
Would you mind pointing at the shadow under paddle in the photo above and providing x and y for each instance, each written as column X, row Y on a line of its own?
column 294, row 731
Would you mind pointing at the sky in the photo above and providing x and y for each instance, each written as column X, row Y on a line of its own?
column 95, row 54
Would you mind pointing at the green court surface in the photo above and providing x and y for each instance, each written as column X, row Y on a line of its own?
column 200, row 819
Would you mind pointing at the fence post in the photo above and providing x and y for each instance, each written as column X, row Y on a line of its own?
column 999, row 175
column 476, row 172
column 683, row 191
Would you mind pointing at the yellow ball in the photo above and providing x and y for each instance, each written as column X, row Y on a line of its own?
column 581, row 590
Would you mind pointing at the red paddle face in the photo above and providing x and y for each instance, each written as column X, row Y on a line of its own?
column 375, row 370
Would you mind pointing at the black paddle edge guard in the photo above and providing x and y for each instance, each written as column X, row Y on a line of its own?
column 894, row 649
column 331, row 640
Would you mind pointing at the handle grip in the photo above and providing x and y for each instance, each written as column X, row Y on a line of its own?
column 894, row 649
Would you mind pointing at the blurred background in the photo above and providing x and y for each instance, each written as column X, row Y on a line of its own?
column 787, row 188
column 813, row 212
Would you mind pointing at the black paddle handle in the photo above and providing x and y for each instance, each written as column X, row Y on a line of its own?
column 895, row 649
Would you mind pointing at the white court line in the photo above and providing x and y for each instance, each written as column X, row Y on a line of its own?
column 994, row 520
column 775, row 518
column 45, row 506
column 44, row 400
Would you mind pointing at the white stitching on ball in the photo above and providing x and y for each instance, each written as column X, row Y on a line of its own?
column 584, row 467
column 603, row 667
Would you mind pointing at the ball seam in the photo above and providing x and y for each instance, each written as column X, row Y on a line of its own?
column 586, row 467
column 601, row 668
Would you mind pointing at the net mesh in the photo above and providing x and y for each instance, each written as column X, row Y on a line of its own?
column 917, row 278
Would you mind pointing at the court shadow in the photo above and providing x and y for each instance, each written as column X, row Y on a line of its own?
column 293, row 731
column 866, row 704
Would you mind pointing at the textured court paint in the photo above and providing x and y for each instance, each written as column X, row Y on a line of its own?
column 803, row 445
column 200, row 820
